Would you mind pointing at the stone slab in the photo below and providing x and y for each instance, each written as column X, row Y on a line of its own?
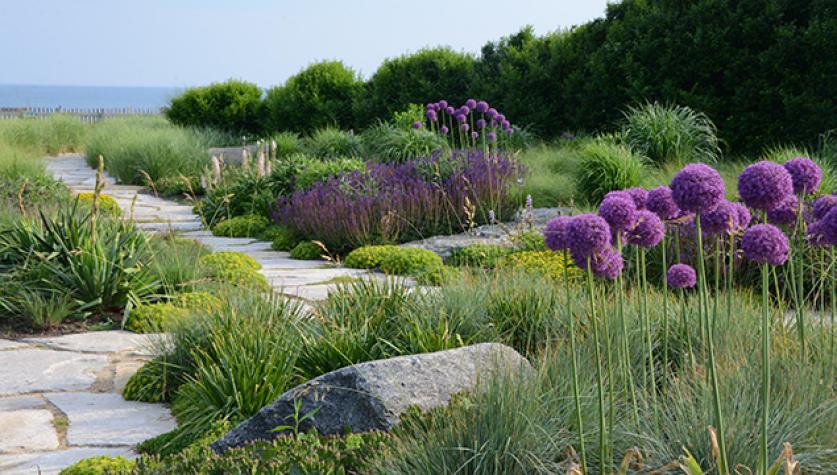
column 108, row 420
column 100, row 342
column 27, row 430
column 16, row 403
column 50, row 463
column 31, row 370
column 10, row 344
column 294, row 278
column 309, row 292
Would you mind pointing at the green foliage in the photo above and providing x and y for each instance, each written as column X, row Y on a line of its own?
column 478, row 255
column 179, row 186
column 154, row 317
column 101, row 465
column 409, row 261
column 368, row 257
column 148, row 384
column 287, row 143
column 42, row 309
column 235, row 268
column 242, row 192
column 139, row 149
column 321, row 95
column 544, row 263
column 241, row 226
column 107, row 205
column 176, row 263
column 670, row 133
column 307, row 251
column 330, row 143
column 283, row 239
column 605, row 166
column 55, row 134
column 232, row 106
column 528, row 241
column 388, row 143
column 427, row 75
column 317, row 171
column 23, row 177
column 411, row 114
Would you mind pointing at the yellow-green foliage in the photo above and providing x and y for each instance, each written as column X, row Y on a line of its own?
column 478, row 255
column 102, row 465
column 148, row 384
column 241, row 226
column 107, row 204
column 235, row 268
column 201, row 301
column 410, row 261
column 529, row 241
column 155, row 317
column 547, row 263
column 307, row 251
column 368, row 257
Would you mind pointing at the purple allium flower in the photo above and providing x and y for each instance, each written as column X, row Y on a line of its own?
column 765, row 243
column 660, row 202
column 431, row 115
column 697, row 188
column 510, row 131
column 619, row 211
column 587, row 234
column 806, row 175
column 743, row 215
column 430, row 106
column 465, row 110
column 681, row 276
column 492, row 113
column 555, row 233
column 480, row 123
column 722, row 219
column 443, row 104
column 464, row 127
column 416, row 125
column 823, row 205
column 500, row 118
column 763, row 185
column 491, row 136
column 648, row 230
column 639, row 195
column 444, row 129
column 470, row 103
column 607, row 263
column 460, row 118
column 816, row 237
column 784, row 214
column 828, row 227
column 506, row 124
column 474, row 135
column 482, row 107
column 449, row 110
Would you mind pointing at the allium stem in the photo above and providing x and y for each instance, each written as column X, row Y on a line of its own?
column 648, row 340
column 627, row 366
column 765, row 361
column 599, row 377
column 665, row 316
column 833, row 309
column 574, row 367
column 730, row 275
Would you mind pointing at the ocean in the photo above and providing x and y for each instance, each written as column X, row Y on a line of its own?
column 85, row 97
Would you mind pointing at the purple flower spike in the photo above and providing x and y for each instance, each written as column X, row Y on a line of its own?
column 619, row 211
column 697, row 188
column 491, row 136
column 431, row 115
column 474, row 135
column 763, row 185
column 743, row 215
column 722, row 219
column 460, row 118
column 492, row 113
column 661, row 203
column 648, row 231
column 555, row 233
column 823, row 205
column 784, row 214
column 449, row 110
column 482, row 107
column 806, row 175
column 481, row 123
column 471, row 104
column 681, row 276
column 416, row 125
column 639, row 195
column 444, row 129
column 587, row 234
column 766, row 244
column 443, row 104
column 464, row 127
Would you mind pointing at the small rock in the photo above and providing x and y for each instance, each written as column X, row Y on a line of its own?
column 373, row 395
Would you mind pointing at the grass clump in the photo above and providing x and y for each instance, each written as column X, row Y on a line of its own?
column 55, row 134
column 670, row 133
column 307, row 251
column 478, row 255
column 329, row 143
column 241, row 226
column 605, row 166
column 148, row 384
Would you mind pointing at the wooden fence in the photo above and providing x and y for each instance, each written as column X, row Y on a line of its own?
column 87, row 116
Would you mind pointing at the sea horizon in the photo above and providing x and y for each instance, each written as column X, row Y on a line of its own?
column 85, row 97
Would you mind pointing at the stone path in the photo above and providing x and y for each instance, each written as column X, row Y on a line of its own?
column 60, row 400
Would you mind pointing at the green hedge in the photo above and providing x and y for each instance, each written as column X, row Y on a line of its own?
column 232, row 106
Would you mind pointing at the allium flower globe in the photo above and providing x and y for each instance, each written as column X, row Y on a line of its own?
column 619, row 211
column 416, row 125
column 465, row 110
column 743, row 215
column 763, row 185
column 766, row 244
column 806, row 175
column 449, row 110
column 661, row 203
column 648, row 230
column 697, row 188
column 784, row 214
column 444, row 129
column 491, row 136
column 492, row 113
column 431, row 116
column 461, row 118
column 639, row 195
column 681, row 276
column 482, row 107
column 606, row 264
column 587, row 234
column 475, row 135
column 828, row 227
column 823, row 205
column 471, row 104
column 480, row 123
column 555, row 233
column 443, row 104
column 464, row 127
column 722, row 219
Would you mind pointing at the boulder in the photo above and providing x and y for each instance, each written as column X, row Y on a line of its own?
column 374, row 395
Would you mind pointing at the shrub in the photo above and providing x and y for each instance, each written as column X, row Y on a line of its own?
column 409, row 261
column 107, row 205
column 201, row 301
column 242, row 192
column 478, row 255
column 154, row 318
column 148, row 384
column 368, row 257
column 241, row 226
column 329, row 142
column 235, row 268
column 320, row 95
column 232, row 106
column 139, row 149
column 670, row 133
column 283, row 239
column 101, row 465
column 528, row 241
column 320, row 171
column 394, row 145
column 307, row 251
column 545, row 263
column 604, row 167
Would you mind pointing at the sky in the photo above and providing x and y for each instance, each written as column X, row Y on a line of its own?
column 177, row 43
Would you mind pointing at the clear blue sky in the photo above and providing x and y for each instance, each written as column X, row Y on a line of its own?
column 191, row 42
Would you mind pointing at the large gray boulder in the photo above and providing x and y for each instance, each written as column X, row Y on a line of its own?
column 373, row 395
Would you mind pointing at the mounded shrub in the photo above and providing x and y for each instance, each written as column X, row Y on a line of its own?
column 330, row 142
column 368, row 257
column 529, row 241
column 107, row 205
column 670, row 133
column 241, row 226
column 283, row 239
column 148, row 384
column 605, row 166
column 101, row 465
column 197, row 301
column 545, row 263
column 478, row 255
column 232, row 106
column 409, row 261
column 235, row 268
column 154, row 317
column 307, row 251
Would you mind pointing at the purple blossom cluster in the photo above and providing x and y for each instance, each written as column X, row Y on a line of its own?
column 476, row 117
column 398, row 202
column 681, row 276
